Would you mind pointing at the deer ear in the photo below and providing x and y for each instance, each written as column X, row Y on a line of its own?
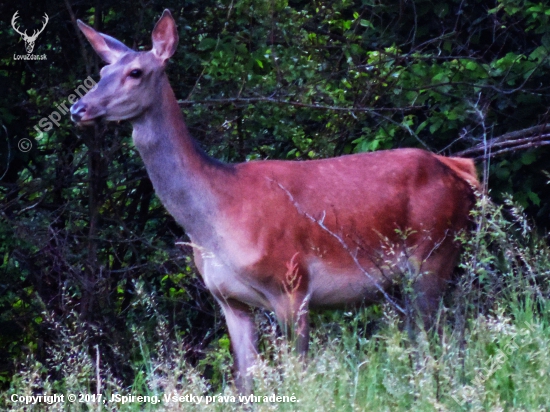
column 165, row 36
column 108, row 48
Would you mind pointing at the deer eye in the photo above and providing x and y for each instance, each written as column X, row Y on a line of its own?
column 136, row 73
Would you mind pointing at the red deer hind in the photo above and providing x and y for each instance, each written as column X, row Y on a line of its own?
column 286, row 236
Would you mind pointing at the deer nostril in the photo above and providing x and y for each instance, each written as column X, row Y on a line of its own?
column 77, row 111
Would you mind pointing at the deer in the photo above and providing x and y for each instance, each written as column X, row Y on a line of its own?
column 286, row 236
column 29, row 40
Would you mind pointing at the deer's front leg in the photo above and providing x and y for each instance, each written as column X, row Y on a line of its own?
column 242, row 331
column 292, row 312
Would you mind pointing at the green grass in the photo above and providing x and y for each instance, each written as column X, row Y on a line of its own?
column 492, row 351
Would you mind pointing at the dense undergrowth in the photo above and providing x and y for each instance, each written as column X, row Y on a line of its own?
column 491, row 352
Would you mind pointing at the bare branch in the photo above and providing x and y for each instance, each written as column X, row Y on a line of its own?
column 515, row 148
column 80, row 38
column 509, row 142
column 245, row 100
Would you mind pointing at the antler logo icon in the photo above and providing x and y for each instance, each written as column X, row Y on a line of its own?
column 29, row 40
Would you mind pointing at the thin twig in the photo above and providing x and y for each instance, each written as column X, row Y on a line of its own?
column 321, row 224
column 8, row 160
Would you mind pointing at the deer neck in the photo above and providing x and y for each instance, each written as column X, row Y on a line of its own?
column 181, row 173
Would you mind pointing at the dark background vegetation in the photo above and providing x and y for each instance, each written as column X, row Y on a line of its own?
column 80, row 226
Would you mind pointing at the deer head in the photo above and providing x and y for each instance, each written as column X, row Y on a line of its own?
column 131, row 81
column 29, row 40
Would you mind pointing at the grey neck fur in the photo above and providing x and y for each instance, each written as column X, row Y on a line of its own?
column 178, row 169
